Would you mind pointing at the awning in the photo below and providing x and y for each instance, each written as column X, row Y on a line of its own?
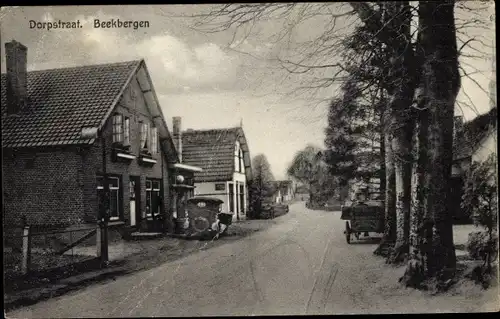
column 187, row 167
column 183, row 186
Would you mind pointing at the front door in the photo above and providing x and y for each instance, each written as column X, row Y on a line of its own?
column 135, row 191
column 242, row 199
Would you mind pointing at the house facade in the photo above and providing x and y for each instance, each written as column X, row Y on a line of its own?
column 68, row 133
column 474, row 141
column 224, row 157
column 284, row 191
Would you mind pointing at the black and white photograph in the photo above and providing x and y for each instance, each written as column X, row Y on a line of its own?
column 249, row 159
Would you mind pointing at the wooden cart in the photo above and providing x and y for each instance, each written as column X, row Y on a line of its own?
column 363, row 217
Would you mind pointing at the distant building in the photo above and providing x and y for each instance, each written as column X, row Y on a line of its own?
column 224, row 157
column 283, row 191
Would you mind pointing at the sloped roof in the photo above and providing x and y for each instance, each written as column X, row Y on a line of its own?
column 473, row 132
column 213, row 151
column 62, row 101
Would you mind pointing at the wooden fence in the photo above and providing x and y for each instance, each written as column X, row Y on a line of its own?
column 27, row 249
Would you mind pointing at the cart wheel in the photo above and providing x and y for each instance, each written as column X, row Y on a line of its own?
column 347, row 232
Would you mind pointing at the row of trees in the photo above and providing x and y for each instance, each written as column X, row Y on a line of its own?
column 407, row 79
column 411, row 86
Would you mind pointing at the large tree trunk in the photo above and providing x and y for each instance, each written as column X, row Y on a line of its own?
column 420, row 222
column 401, row 124
column 401, row 145
column 389, row 236
column 442, row 81
column 382, row 164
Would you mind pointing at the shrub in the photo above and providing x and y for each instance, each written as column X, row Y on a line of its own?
column 480, row 198
column 479, row 245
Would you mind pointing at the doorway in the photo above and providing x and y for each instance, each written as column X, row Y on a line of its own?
column 242, row 199
column 135, row 197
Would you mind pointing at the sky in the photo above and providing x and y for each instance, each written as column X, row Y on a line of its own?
column 215, row 80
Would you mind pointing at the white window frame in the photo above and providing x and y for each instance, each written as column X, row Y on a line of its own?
column 149, row 193
column 118, row 128
column 113, row 188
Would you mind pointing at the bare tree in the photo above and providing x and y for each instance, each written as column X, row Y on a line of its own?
column 312, row 62
column 309, row 168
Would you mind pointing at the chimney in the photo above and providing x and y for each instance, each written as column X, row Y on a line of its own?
column 177, row 132
column 16, row 55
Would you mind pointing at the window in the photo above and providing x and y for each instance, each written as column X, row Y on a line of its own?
column 144, row 135
column 117, row 128
column 126, row 131
column 241, row 164
column 114, row 196
column 154, row 140
column 153, row 198
column 131, row 190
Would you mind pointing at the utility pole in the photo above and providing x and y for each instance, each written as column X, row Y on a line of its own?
column 105, row 207
column 103, row 213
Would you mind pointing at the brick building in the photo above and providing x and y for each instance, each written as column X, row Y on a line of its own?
column 64, row 129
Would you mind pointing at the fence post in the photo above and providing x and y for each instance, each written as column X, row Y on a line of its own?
column 26, row 249
column 98, row 237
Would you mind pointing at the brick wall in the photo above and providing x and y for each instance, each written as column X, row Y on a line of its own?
column 43, row 185
column 58, row 186
column 136, row 110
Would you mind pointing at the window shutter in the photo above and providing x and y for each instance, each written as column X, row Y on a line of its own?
column 126, row 131
column 154, row 140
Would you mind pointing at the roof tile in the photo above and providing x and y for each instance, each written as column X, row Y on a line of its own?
column 212, row 150
column 61, row 101
column 472, row 133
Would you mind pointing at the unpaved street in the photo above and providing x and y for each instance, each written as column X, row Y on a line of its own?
column 301, row 265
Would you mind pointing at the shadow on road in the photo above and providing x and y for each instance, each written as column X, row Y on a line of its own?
column 365, row 241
